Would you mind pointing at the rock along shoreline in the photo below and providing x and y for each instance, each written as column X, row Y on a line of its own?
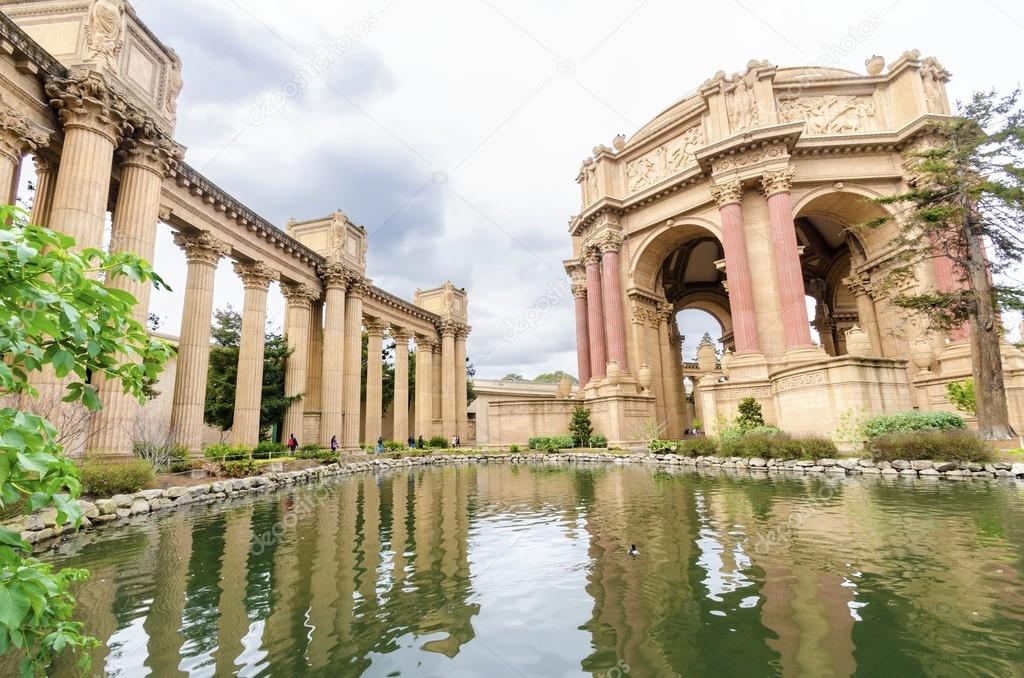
column 41, row 528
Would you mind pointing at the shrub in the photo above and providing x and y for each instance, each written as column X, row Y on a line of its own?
column 948, row 445
column 438, row 442
column 818, row 448
column 393, row 446
column 186, row 465
column 513, row 449
column 267, row 450
column 961, row 394
column 775, row 445
column 598, row 440
column 698, row 447
column 663, row 446
column 239, row 469
column 105, row 480
column 315, row 452
column 914, row 420
column 551, row 443
column 226, row 452
column 580, row 427
column 161, row 455
column 750, row 415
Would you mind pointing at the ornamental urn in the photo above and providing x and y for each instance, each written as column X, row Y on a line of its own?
column 644, row 377
column 858, row 343
column 875, row 65
column 613, row 373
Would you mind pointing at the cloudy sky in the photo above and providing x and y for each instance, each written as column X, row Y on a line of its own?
column 453, row 130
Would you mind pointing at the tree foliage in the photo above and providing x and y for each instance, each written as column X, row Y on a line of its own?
column 965, row 209
column 554, row 378
column 749, row 414
column 961, row 394
column 56, row 313
column 580, row 426
column 222, row 379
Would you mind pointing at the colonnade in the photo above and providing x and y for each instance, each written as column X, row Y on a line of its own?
column 600, row 326
column 106, row 136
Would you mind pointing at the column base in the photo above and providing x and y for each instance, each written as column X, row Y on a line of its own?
column 955, row 358
column 746, row 367
column 800, row 355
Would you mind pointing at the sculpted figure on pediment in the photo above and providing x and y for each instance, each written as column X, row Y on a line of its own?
column 743, row 111
column 104, row 31
column 829, row 114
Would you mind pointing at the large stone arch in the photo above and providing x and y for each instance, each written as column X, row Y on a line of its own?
column 650, row 252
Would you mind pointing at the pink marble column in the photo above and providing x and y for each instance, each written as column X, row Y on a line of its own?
column 579, row 293
column 789, row 276
column 741, row 288
column 615, row 326
column 595, row 316
column 947, row 281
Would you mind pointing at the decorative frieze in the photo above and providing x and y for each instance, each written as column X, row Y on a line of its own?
column 772, row 152
column 830, row 114
column 665, row 161
column 797, row 381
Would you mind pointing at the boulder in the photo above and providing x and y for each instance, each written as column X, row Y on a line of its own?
column 921, row 464
column 123, row 512
column 908, row 473
column 123, row 500
column 175, row 492
column 139, row 506
column 106, row 507
column 944, row 466
column 89, row 509
column 160, row 503
column 827, row 462
column 901, row 465
column 1017, row 470
column 149, row 495
column 757, row 462
column 849, row 464
column 928, row 472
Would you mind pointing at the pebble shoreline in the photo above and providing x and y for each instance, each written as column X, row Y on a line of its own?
column 41, row 528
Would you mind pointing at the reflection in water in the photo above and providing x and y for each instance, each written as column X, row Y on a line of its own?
column 501, row 570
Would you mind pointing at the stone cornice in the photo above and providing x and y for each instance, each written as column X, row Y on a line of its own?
column 402, row 306
column 202, row 247
column 29, row 48
column 256, row 274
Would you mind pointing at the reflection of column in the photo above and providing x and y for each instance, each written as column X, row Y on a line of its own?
column 324, row 602
column 729, row 197
column 867, row 317
column 448, row 424
column 163, row 622
column 94, row 120
column 374, row 379
column 147, row 159
column 357, row 287
column 461, row 387
column 400, row 429
column 788, row 272
column 256, row 278
column 333, row 373
column 669, row 370
column 233, row 619
column 202, row 251
column 299, row 299
column 595, row 316
column 579, row 294
column 42, row 202
column 424, row 385
column 615, row 325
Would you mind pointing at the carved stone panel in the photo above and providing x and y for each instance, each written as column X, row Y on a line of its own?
column 665, row 161
column 830, row 114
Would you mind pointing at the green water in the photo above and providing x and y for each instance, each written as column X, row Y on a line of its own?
column 523, row 571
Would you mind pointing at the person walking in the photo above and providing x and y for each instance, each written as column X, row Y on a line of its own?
column 380, row 445
column 412, row 442
column 334, row 443
column 293, row 443
column 419, row 443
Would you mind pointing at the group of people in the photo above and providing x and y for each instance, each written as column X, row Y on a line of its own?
column 414, row 443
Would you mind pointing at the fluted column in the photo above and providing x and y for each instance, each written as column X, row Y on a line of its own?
column 374, row 379
column 448, row 407
column 18, row 136
column 357, row 287
column 256, row 278
column 867, row 317
column 401, row 404
column 424, row 385
column 789, row 275
column 461, row 386
column 579, row 295
column 676, row 341
column 615, row 324
column 669, row 371
column 595, row 316
column 42, row 203
column 947, row 281
column 202, row 251
column 147, row 158
column 299, row 299
column 729, row 197
column 95, row 119
column 332, row 393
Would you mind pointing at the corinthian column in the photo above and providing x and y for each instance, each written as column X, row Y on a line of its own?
column 357, row 288
column 461, row 386
column 42, row 203
column 17, row 137
column 299, row 299
column 147, row 158
column 256, row 278
column 448, row 409
column 741, row 290
column 867, row 317
column 374, row 379
column 331, row 395
column 615, row 324
column 669, row 370
column 424, row 385
column 788, row 273
column 595, row 316
column 401, row 405
column 579, row 295
column 95, row 119
column 202, row 251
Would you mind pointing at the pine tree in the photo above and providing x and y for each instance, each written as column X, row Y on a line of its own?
column 580, row 426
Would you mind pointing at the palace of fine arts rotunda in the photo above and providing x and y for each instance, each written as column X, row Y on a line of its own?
column 90, row 94
column 744, row 200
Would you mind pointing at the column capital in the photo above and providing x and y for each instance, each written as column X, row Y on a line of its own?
column 666, row 309
column 592, row 257
column 462, row 332
column 300, row 295
column 861, row 284
column 202, row 247
column 611, row 242
column 43, row 165
column 256, row 275
column 579, row 290
column 85, row 99
column 334, row 276
column 148, row 147
column 448, row 328
column 401, row 335
column 425, row 341
column 778, row 181
column 18, row 135
column 727, row 193
column 358, row 284
column 377, row 327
